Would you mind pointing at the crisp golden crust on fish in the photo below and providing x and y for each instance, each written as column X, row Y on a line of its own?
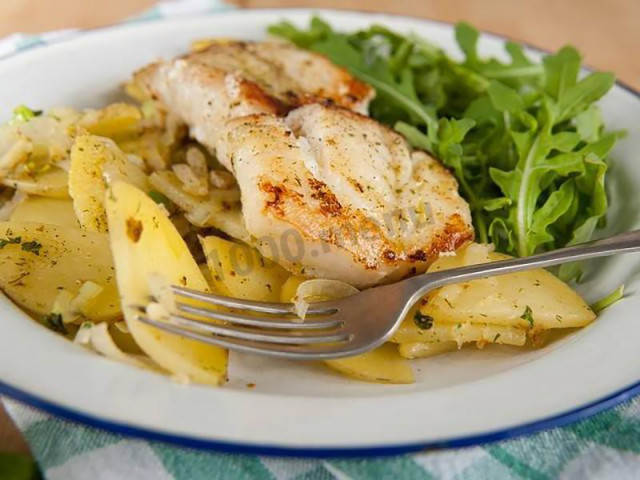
column 315, row 78
column 230, row 79
column 333, row 194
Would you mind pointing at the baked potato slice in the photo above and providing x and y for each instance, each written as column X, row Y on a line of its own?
column 240, row 271
column 382, row 365
column 146, row 248
column 95, row 162
column 38, row 261
column 53, row 211
column 534, row 300
column 504, row 309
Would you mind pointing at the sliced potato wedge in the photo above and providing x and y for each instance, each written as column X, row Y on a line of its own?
column 116, row 120
column 39, row 260
column 95, row 161
column 240, row 271
column 535, row 300
column 382, row 365
column 146, row 245
column 460, row 333
column 52, row 211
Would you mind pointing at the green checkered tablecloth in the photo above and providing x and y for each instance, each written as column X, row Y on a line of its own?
column 605, row 446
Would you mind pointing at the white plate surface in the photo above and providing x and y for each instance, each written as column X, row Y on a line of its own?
column 458, row 399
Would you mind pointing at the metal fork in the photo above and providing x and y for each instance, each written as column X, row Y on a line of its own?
column 347, row 326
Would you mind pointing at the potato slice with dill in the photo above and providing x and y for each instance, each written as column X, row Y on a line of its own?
column 240, row 271
column 94, row 160
column 502, row 309
column 38, row 261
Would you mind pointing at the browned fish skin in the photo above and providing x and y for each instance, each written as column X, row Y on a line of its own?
column 231, row 79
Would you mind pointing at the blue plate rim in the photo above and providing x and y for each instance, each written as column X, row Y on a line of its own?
column 127, row 430
column 570, row 416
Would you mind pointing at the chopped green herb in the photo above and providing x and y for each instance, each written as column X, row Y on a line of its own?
column 10, row 241
column 608, row 300
column 22, row 114
column 423, row 322
column 33, row 247
column 495, row 339
column 162, row 199
column 528, row 315
column 55, row 323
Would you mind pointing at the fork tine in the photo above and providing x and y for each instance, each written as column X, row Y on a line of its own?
column 261, row 307
column 264, row 322
column 291, row 351
column 256, row 336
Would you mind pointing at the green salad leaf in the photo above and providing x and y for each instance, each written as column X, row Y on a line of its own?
column 525, row 140
column 608, row 300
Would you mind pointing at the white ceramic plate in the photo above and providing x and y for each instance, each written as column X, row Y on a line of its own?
column 459, row 399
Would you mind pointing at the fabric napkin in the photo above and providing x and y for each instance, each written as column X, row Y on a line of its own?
column 605, row 446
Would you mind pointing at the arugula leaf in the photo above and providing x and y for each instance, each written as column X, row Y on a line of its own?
column 503, row 98
column 525, row 140
column 467, row 38
column 396, row 91
column 561, row 71
column 556, row 205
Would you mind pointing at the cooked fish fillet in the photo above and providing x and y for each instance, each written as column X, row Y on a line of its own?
column 230, row 79
column 330, row 193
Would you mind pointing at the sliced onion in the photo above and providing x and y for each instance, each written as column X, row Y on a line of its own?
column 122, row 326
column 424, row 349
column 198, row 163
column 64, row 165
column 18, row 153
column 221, row 179
column 319, row 290
column 97, row 338
column 7, row 209
column 87, row 294
column 83, row 335
column 162, row 293
column 191, row 182
column 62, row 305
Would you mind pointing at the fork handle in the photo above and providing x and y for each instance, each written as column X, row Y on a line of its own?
column 622, row 243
